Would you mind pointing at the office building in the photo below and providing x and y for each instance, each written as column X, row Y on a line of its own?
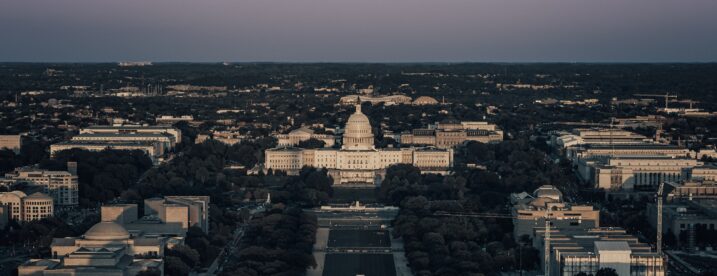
column 153, row 150
column 21, row 207
column 164, row 141
column 634, row 172
column 62, row 186
column 588, row 250
column 189, row 211
column 682, row 217
column 135, row 129
column 169, row 217
column 577, row 153
column 448, row 134
column 11, row 142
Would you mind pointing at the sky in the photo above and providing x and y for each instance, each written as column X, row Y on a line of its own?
column 358, row 30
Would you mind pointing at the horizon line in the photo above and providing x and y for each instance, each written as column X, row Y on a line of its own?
column 360, row 62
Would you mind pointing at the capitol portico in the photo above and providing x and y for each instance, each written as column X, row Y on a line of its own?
column 358, row 162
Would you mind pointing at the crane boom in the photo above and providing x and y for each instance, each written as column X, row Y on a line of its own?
column 660, row 192
column 667, row 97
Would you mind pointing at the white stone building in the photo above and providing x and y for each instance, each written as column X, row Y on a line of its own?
column 298, row 135
column 106, row 249
column 358, row 161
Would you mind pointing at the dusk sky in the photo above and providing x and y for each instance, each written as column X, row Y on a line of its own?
column 359, row 30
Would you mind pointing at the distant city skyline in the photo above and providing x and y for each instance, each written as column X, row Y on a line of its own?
column 359, row 31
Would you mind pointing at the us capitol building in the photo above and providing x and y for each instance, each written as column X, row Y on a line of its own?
column 358, row 162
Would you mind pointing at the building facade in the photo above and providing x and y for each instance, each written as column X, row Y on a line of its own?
column 358, row 161
column 153, row 150
column 136, row 129
column 530, row 211
column 386, row 100
column 448, row 134
column 107, row 248
column 634, row 172
column 11, row 142
column 588, row 250
column 62, row 186
column 296, row 136
column 21, row 207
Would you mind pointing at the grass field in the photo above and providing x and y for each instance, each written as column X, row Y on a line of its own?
column 355, row 264
column 359, row 238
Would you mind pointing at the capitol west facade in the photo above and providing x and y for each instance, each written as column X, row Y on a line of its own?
column 358, row 162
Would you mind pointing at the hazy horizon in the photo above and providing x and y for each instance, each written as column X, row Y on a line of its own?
column 367, row 31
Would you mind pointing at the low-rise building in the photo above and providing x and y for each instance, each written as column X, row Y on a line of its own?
column 188, row 211
column 696, row 188
column 530, row 211
column 573, row 251
column 386, row 100
column 62, row 186
column 11, row 142
column 597, row 136
column 448, row 134
column 21, row 207
column 106, row 248
column 169, row 217
column 634, row 172
column 577, row 153
column 152, row 149
column 164, row 141
column 682, row 217
column 167, row 119
column 301, row 134
column 704, row 172
column 136, row 129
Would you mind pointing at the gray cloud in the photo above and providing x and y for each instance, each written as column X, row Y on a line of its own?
column 358, row 30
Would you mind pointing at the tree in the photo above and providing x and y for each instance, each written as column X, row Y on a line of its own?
column 188, row 255
column 149, row 272
column 606, row 271
column 173, row 266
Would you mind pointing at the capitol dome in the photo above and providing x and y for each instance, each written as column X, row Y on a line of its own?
column 358, row 134
column 107, row 231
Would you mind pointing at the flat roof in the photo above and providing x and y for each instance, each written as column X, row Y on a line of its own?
column 612, row 246
column 130, row 127
column 124, row 135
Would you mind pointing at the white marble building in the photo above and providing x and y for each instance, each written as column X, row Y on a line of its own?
column 358, row 162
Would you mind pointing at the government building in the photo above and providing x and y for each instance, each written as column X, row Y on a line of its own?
column 448, row 134
column 530, row 211
column 105, row 249
column 358, row 162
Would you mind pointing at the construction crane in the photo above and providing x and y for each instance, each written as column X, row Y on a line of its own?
column 660, row 193
column 546, row 247
column 667, row 97
column 690, row 102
